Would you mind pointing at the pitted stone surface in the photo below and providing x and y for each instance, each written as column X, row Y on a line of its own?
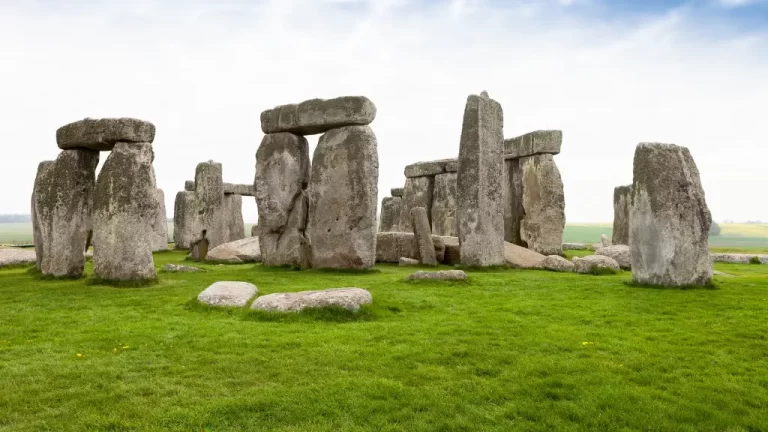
column 185, row 220
column 512, row 193
column 177, row 268
column 417, row 193
column 533, row 143
column 319, row 116
column 423, row 235
column 557, row 263
column 347, row 298
column 622, row 197
column 246, row 250
column 520, row 257
column 544, row 204
column 591, row 262
column 41, row 233
column 444, row 202
column 428, row 168
column 160, row 224
column 189, row 185
column 396, row 192
column 238, row 189
column 16, row 256
column 391, row 246
column 103, row 134
column 452, row 166
column 228, row 294
column 443, row 275
column 620, row 253
column 389, row 219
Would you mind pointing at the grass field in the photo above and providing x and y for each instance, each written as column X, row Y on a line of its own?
column 510, row 350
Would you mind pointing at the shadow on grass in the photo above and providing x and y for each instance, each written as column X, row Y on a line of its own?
column 143, row 283
column 708, row 286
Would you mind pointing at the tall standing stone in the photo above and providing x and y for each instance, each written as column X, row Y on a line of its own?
column 125, row 204
column 343, row 194
column 160, row 224
column 513, row 201
column 423, row 235
column 41, row 217
column 185, row 221
column 622, row 198
column 389, row 220
column 669, row 217
column 417, row 193
column 479, row 188
column 282, row 175
column 544, row 203
column 444, row 222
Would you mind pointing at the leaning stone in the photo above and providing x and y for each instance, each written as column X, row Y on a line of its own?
column 670, row 219
column 317, row 116
column 407, row 262
column 604, row 240
column 533, row 143
column 390, row 246
column 103, row 134
column 347, row 298
column 417, row 193
column 520, row 257
column 444, row 275
column 423, row 236
column 574, row 246
column 160, row 225
column 228, row 294
column 176, row 268
column 444, row 222
column 238, row 189
column 452, row 251
column 389, row 219
column 241, row 251
column 590, row 263
column 15, row 256
column 124, row 207
column 429, row 168
column 479, row 188
column 396, row 192
column 557, row 263
column 343, row 192
column 41, row 231
column 544, row 204
column 622, row 196
column 620, row 253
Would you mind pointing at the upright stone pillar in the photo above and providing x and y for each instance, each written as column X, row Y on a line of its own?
column 160, row 224
column 444, row 222
column 389, row 220
column 479, row 210
column 544, row 203
column 417, row 193
column 513, row 201
column 185, row 220
column 41, row 215
column 622, row 197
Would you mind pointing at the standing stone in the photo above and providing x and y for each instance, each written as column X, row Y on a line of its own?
column 282, row 174
column 343, row 194
column 160, row 225
column 622, row 196
column 40, row 216
column 604, row 240
column 544, row 203
column 185, row 220
column 670, row 218
column 513, row 201
column 124, row 206
column 417, row 193
column 444, row 221
column 479, row 188
column 389, row 220
column 64, row 200
column 423, row 236
column 232, row 215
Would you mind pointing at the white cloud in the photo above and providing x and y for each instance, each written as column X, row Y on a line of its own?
column 203, row 73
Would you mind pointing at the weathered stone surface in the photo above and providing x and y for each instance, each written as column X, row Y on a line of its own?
column 63, row 203
column 452, row 251
column 533, row 143
column 255, row 230
column 428, row 168
column 590, row 263
column 160, row 224
column 343, row 194
column 189, row 185
column 622, row 198
column 423, row 235
column 241, row 251
column 574, row 246
column 228, row 294
column 444, row 202
column 124, row 207
column 16, row 256
column 620, row 253
column 319, row 116
column 417, row 193
column 347, row 298
column 669, row 217
column 544, row 204
column 557, row 263
column 452, row 166
column 103, row 134
column 396, row 192
column 199, row 248
column 177, row 268
column 239, row 189
column 479, row 188
column 406, row 262
column 282, row 175
column 738, row 258
column 185, row 221
column 444, row 275
column 389, row 219
column 604, row 240
column 232, row 211
column 594, row 246
column 519, row 257
column 512, row 194
column 390, row 246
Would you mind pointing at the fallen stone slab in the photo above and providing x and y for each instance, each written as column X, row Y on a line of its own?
column 428, row 168
column 178, row 268
column 14, row 257
column 240, row 251
column 590, row 263
column 228, row 294
column 557, row 263
column 444, row 275
column 520, row 257
column 239, row 189
column 396, row 192
column 347, row 298
column 532, row 143
column 391, row 246
column 737, row 258
column 407, row 262
column 103, row 134
column 574, row 246
column 317, row 116
column 620, row 253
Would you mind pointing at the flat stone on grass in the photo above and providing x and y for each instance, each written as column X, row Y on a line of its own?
column 406, row 262
column 444, row 275
column 557, row 263
column 228, row 294
column 14, row 257
column 347, row 298
column 595, row 264
column 177, row 268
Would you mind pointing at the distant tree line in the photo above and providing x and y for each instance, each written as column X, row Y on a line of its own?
column 13, row 218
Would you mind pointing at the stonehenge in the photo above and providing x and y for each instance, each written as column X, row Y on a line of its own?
column 622, row 196
column 160, row 224
column 389, row 219
column 423, row 234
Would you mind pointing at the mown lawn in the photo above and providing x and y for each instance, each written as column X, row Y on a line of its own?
column 510, row 350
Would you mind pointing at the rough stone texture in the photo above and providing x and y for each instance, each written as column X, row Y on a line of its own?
column 228, row 294
column 594, row 246
column 103, row 134
column 319, row 116
column 124, row 207
column 574, row 246
column 189, row 185
column 444, row 222
column 199, row 249
column 429, row 168
column 452, row 166
column 604, row 240
column 184, row 220
column 282, row 175
column 160, row 224
column 479, row 185
column 591, row 262
column 396, row 192
column 255, row 231
column 177, row 268
column 512, row 194
column 519, row 257
column 347, row 298
column 444, row 275
column 389, row 219
column 533, row 143
column 622, row 198
column 620, row 253
column 417, row 193
column 390, row 246
column 452, row 251
column 15, row 256
column 239, row 189
column 737, row 258
column 423, row 235
column 670, row 218
column 406, row 262
column 343, row 195
column 232, row 212
column 557, row 263
column 241, row 251
column 63, row 201
column 544, row 203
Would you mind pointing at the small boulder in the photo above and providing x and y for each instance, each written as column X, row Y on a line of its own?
column 12, row 257
column 520, row 257
column 240, row 251
column 444, row 275
column 557, row 263
column 229, row 294
column 620, row 253
column 347, row 298
column 177, row 268
column 605, row 241
column 406, row 262
column 591, row 263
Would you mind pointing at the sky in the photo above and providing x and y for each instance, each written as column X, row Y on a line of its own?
column 608, row 73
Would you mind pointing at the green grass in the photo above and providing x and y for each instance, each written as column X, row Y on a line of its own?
column 510, row 350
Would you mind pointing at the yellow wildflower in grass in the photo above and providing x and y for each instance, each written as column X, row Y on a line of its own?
column 587, row 343
column 126, row 347
column 79, row 355
column 115, row 349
